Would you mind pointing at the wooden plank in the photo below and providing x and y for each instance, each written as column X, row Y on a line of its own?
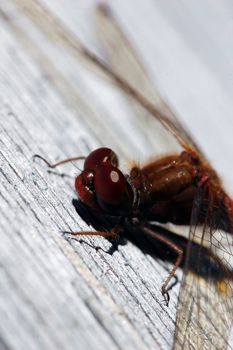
column 65, row 293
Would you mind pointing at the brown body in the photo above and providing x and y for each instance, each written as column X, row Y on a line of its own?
column 167, row 188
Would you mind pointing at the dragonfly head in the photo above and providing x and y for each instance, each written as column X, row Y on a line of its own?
column 102, row 186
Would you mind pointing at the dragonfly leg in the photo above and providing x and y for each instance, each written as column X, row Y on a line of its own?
column 165, row 288
column 67, row 160
column 113, row 233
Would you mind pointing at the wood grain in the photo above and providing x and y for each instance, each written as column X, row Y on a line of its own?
column 57, row 292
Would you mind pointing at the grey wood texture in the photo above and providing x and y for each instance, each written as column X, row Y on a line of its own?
column 57, row 292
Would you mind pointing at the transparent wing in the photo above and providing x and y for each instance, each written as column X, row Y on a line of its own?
column 57, row 31
column 130, row 74
column 205, row 308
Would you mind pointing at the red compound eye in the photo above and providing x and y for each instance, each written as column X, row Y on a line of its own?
column 113, row 193
column 100, row 156
column 85, row 188
column 102, row 186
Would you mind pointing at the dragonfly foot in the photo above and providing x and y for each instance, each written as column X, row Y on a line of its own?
column 166, row 296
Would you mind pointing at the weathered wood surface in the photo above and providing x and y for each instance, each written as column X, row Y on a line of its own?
column 56, row 292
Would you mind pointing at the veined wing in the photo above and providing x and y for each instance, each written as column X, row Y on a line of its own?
column 205, row 309
column 131, row 76
column 57, row 31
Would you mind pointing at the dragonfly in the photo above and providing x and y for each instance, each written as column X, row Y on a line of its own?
column 181, row 188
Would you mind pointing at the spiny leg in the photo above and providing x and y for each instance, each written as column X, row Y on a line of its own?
column 113, row 233
column 177, row 263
